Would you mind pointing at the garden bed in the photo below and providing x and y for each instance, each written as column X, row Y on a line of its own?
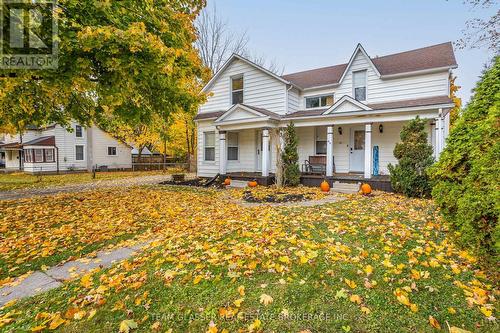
column 198, row 182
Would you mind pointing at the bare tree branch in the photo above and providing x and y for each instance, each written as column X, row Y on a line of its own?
column 216, row 43
column 481, row 33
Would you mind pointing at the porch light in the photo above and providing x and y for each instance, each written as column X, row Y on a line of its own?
column 340, row 130
column 381, row 128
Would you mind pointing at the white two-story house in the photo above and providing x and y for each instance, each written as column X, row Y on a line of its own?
column 348, row 116
column 55, row 149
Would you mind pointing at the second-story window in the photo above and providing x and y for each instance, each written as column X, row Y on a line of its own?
column 237, row 89
column 319, row 101
column 78, row 131
column 359, row 85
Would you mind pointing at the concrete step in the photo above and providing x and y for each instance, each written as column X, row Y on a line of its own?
column 345, row 187
column 238, row 183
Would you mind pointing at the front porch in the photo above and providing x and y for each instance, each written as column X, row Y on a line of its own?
column 380, row 182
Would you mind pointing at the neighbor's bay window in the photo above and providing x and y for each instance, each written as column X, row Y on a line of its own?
column 319, row 101
column 359, row 85
column 49, row 155
column 237, row 89
column 209, row 146
column 38, row 155
column 232, row 146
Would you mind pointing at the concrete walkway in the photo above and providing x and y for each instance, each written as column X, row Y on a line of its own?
column 39, row 282
column 121, row 182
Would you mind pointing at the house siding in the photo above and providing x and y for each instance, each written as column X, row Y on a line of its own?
column 386, row 90
column 259, row 89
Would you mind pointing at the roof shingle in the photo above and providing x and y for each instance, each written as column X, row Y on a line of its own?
column 430, row 57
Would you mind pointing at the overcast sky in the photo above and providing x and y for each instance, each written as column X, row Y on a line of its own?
column 304, row 34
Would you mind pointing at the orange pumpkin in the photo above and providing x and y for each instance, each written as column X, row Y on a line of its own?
column 227, row 181
column 325, row 187
column 252, row 183
column 366, row 189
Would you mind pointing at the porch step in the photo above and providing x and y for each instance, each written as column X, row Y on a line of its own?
column 238, row 183
column 345, row 187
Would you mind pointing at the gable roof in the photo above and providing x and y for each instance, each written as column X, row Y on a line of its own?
column 347, row 99
column 438, row 56
column 235, row 56
column 253, row 109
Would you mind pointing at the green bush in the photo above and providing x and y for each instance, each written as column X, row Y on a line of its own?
column 290, row 156
column 467, row 176
column 414, row 156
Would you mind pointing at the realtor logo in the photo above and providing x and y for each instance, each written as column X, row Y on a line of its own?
column 28, row 34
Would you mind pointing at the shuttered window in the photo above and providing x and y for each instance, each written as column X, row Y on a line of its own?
column 359, row 85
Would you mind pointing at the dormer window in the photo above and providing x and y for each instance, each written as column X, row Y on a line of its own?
column 237, row 89
column 319, row 101
column 359, row 85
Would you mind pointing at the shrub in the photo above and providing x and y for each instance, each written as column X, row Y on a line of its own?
column 414, row 156
column 467, row 176
column 290, row 156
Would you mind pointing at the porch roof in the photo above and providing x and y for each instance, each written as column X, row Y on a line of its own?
column 435, row 101
column 11, row 146
column 42, row 141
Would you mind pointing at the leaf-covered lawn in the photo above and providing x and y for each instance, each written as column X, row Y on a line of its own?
column 15, row 181
column 381, row 263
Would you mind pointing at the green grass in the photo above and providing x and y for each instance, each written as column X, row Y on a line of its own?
column 218, row 241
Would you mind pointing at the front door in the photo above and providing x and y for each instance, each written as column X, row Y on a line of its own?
column 357, row 150
column 258, row 151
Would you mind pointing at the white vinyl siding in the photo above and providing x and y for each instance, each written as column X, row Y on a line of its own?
column 293, row 100
column 260, row 89
column 388, row 90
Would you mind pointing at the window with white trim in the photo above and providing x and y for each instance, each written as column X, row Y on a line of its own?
column 209, row 146
column 38, row 155
column 359, row 85
column 232, row 146
column 319, row 101
column 237, row 89
column 320, row 141
column 78, row 131
column 49, row 155
column 28, row 156
column 79, row 154
column 111, row 151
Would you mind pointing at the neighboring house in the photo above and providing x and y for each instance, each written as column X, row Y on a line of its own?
column 341, row 112
column 54, row 149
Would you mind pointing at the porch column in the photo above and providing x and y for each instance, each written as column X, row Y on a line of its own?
column 368, row 150
column 439, row 136
column 329, row 151
column 222, row 153
column 265, row 152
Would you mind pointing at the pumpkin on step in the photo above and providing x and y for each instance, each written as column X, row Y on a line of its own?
column 325, row 187
column 252, row 183
column 227, row 181
column 366, row 189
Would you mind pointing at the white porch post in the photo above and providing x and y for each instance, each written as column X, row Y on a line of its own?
column 368, row 150
column 329, row 151
column 222, row 153
column 437, row 138
column 265, row 152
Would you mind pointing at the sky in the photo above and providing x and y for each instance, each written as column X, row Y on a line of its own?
column 305, row 34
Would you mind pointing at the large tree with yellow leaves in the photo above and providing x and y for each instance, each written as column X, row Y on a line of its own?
column 128, row 60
